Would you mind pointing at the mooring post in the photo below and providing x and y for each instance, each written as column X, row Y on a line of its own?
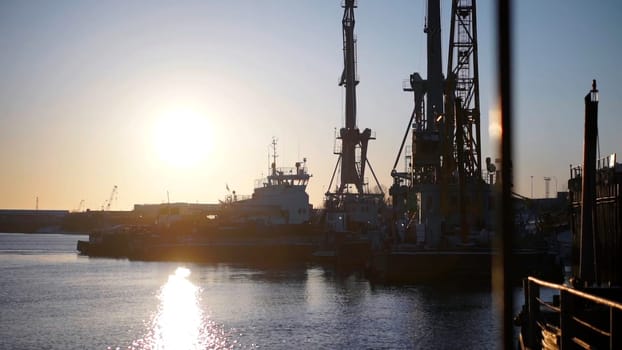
column 525, row 323
column 566, row 312
column 615, row 324
column 534, row 313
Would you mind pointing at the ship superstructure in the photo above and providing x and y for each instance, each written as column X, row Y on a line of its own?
column 278, row 199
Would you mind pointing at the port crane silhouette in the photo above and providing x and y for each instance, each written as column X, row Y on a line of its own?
column 351, row 201
column 442, row 186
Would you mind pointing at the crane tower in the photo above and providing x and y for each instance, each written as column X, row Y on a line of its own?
column 351, row 196
column 442, row 191
column 113, row 196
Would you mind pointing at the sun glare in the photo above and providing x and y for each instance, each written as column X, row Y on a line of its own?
column 183, row 138
column 180, row 322
column 494, row 124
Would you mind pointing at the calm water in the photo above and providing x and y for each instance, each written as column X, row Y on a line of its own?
column 51, row 298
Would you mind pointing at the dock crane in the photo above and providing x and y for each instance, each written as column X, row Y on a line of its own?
column 80, row 206
column 445, row 161
column 351, row 205
column 113, row 196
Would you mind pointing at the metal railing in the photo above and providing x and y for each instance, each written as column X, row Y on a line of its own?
column 574, row 319
column 609, row 161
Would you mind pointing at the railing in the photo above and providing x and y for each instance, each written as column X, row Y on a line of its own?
column 606, row 162
column 575, row 171
column 230, row 198
column 573, row 320
column 609, row 161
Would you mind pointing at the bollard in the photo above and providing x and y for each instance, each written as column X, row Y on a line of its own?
column 534, row 313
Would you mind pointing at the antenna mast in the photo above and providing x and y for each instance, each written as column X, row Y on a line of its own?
column 274, row 156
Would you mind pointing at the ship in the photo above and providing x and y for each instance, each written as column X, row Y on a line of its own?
column 272, row 224
column 586, row 310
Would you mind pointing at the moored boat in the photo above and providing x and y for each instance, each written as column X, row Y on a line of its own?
column 586, row 311
column 274, row 223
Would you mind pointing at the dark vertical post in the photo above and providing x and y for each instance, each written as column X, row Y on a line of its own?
column 587, row 259
column 460, row 120
column 348, row 78
column 476, row 111
column 349, row 134
column 435, row 61
column 502, row 266
column 526, row 326
column 534, row 313
column 566, row 306
column 615, row 324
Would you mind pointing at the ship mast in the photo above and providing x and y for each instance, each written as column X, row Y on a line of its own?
column 274, row 156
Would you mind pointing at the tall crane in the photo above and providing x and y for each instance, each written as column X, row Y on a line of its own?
column 80, row 206
column 445, row 160
column 113, row 196
column 352, row 190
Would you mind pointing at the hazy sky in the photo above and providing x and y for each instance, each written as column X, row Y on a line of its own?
column 90, row 92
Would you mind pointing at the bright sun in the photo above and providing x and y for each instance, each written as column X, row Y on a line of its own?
column 182, row 138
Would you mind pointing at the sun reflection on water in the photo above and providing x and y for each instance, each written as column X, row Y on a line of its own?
column 180, row 322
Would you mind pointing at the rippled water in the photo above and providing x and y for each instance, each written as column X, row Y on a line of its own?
column 51, row 298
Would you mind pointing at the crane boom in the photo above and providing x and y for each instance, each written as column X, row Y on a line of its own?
column 113, row 196
column 351, row 205
column 353, row 141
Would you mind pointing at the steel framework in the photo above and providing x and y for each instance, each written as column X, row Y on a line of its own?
column 463, row 69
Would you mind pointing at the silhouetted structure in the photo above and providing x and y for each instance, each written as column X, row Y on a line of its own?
column 588, row 313
column 352, row 205
column 442, row 192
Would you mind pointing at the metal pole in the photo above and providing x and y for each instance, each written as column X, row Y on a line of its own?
column 587, row 259
column 502, row 268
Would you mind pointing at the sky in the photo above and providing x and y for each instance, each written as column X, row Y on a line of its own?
column 178, row 100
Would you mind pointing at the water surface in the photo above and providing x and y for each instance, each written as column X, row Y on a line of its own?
column 51, row 298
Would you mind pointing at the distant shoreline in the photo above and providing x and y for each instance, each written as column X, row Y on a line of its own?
column 49, row 233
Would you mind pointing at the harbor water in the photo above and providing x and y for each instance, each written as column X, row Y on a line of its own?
column 51, row 298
